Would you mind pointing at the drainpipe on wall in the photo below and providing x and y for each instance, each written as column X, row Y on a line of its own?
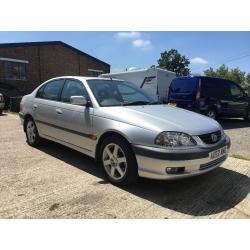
column 79, row 64
column 39, row 62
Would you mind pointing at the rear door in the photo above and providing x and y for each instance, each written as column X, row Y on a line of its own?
column 216, row 92
column 183, row 91
column 45, row 108
column 224, row 96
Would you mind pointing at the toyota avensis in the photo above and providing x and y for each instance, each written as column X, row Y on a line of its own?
column 124, row 129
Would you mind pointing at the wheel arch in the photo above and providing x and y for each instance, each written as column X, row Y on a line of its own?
column 214, row 107
column 26, row 117
column 107, row 134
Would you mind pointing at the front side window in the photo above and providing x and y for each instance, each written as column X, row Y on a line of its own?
column 117, row 93
column 73, row 88
column 235, row 90
column 15, row 71
column 52, row 90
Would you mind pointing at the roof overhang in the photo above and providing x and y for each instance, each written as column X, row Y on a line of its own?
column 13, row 60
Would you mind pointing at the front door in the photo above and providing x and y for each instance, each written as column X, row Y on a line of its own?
column 75, row 121
column 239, row 102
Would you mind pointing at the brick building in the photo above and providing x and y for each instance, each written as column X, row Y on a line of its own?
column 26, row 65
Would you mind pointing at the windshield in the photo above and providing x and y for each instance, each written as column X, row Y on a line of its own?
column 118, row 93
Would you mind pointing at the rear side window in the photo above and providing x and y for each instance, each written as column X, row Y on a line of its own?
column 73, row 88
column 187, row 85
column 214, row 87
column 52, row 90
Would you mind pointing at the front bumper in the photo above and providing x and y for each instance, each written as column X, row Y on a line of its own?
column 153, row 162
column 21, row 116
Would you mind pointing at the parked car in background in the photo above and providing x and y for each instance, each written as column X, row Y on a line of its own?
column 155, row 81
column 8, row 91
column 213, row 97
column 2, row 103
column 123, row 128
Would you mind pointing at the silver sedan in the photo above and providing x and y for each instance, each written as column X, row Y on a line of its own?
column 123, row 128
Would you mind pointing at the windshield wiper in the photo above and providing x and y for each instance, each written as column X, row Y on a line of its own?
column 137, row 103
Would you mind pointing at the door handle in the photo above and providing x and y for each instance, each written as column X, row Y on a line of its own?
column 59, row 111
column 35, row 106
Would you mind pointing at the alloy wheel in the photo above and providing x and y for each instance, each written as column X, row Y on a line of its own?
column 31, row 131
column 114, row 161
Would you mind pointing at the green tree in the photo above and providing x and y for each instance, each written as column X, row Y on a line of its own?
column 248, row 79
column 235, row 74
column 210, row 72
column 238, row 76
column 246, row 84
column 172, row 60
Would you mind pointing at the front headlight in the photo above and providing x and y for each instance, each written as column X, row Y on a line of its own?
column 174, row 139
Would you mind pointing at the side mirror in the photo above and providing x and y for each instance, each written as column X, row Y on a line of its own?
column 78, row 100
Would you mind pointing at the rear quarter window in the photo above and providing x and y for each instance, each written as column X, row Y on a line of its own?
column 39, row 93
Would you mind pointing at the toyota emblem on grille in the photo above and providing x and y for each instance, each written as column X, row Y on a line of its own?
column 214, row 137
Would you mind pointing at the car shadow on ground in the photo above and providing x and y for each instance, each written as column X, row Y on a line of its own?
column 203, row 195
column 233, row 123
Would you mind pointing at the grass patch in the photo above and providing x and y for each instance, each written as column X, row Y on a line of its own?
column 241, row 157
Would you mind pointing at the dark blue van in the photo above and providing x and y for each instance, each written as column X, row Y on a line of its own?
column 213, row 97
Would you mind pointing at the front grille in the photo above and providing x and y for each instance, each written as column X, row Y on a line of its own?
column 213, row 163
column 211, row 138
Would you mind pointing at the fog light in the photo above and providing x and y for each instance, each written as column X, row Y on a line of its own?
column 178, row 170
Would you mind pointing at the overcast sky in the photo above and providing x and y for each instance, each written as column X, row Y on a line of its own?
column 142, row 49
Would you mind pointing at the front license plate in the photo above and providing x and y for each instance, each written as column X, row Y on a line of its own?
column 172, row 104
column 218, row 153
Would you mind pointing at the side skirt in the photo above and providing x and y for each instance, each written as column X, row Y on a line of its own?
column 79, row 149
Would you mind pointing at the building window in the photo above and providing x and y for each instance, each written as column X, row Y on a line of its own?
column 15, row 71
column 95, row 72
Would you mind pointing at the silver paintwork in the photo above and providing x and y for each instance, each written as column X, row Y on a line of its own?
column 78, row 100
column 139, row 125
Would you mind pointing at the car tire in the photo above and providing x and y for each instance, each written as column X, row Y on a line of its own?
column 32, row 135
column 1, row 111
column 118, row 161
column 211, row 113
column 247, row 117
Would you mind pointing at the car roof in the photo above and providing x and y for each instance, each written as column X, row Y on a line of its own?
column 85, row 78
column 204, row 77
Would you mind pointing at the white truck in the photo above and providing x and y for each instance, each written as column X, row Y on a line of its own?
column 154, row 81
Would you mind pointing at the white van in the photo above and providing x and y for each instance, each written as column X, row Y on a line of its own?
column 154, row 81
